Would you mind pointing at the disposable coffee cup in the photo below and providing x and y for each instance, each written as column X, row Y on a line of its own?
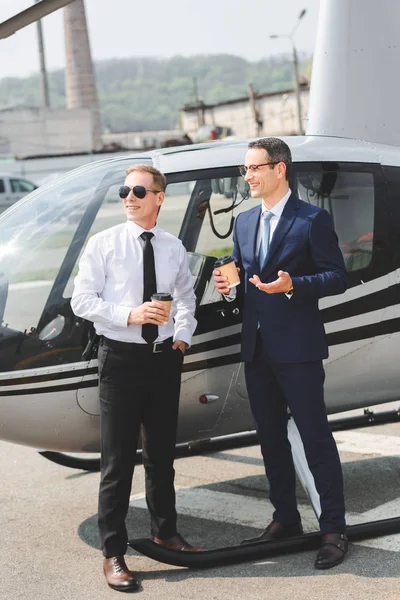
column 166, row 299
column 226, row 266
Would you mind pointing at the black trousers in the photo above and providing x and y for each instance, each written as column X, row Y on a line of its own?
column 272, row 388
column 138, row 389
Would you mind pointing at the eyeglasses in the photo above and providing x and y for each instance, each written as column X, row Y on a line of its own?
column 254, row 168
column 138, row 190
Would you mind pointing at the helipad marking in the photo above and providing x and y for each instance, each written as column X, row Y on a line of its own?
column 388, row 510
column 225, row 507
column 367, row 443
column 237, row 509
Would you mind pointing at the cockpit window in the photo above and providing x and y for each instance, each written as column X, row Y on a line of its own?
column 349, row 197
column 42, row 237
column 202, row 211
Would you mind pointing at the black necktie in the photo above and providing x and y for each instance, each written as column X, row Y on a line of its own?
column 149, row 331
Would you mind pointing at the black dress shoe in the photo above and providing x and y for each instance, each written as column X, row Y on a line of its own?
column 176, row 542
column 276, row 531
column 333, row 550
column 118, row 575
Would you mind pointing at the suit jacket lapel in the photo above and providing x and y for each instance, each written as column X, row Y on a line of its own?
column 253, row 225
column 285, row 223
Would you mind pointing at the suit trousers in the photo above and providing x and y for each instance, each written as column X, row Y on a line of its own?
column 273, row 388
column 139, row 390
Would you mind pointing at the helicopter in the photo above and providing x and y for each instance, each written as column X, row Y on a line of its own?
column 348, row 163
column 48, row 377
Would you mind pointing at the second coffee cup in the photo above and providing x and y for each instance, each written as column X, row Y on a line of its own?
column 226, row 266
column 166, row 299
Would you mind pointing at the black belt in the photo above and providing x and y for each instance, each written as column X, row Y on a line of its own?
column 154, row 348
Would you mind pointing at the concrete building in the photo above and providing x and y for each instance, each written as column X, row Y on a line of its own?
column 34, row 131
column 276, row 114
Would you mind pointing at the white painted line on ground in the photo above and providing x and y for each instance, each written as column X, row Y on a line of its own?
column 367, row 443
column 389, row 510
column 225, row 507
column 237, row 509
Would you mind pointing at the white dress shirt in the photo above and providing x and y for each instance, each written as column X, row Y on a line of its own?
column 110, row 283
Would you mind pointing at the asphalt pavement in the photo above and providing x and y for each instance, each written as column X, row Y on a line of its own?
column 49, row 548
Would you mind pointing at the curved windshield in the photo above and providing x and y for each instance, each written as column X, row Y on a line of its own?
column 42, row 236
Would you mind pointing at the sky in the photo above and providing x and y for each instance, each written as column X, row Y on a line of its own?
column 164, row 28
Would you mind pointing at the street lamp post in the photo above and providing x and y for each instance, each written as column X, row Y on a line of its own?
column 295, row 67
column 43, row 73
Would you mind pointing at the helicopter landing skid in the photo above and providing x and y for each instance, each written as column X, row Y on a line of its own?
column 253, row 551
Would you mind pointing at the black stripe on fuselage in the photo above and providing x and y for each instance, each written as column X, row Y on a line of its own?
column 338, row 337
column 81, row 372
column 333, row 339
column 51, row 390
column 214, row 344
column 364, row 332
column 207, row 363
column 359, row 306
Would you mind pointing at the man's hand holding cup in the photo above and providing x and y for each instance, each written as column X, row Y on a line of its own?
column 155, row 313
column 225, row 275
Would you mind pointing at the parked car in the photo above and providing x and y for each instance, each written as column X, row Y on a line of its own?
column 13, row 188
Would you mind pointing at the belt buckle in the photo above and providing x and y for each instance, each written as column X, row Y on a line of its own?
column 155, row 351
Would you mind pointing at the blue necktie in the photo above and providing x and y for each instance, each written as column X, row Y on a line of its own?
column 266, row 216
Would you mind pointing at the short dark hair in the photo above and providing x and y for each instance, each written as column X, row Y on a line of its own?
column 277, row 151
column 159, row 178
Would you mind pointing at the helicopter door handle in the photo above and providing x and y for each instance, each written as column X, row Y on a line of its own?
column 222, row 311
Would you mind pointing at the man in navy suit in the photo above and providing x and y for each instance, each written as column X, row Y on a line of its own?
column 288, row 257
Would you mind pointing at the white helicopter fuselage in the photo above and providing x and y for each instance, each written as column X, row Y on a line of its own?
column 348, row 163
column 48, row 383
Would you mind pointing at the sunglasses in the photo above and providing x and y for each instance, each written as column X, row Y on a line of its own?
column 138, row 190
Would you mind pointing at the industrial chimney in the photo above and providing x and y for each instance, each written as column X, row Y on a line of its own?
column 79, row 77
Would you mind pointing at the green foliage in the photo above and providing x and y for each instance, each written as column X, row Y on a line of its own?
column 217, row 252
column 146, row 93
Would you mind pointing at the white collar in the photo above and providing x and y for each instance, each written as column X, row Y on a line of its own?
column 136, row 230
column 277, row 210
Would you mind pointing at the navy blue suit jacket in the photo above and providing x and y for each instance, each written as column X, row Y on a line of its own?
column 305, row 245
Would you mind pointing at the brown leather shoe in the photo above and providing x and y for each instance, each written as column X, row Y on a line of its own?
column 276, row 531
column 333, row 550
column 176, row 542
column 118, row 575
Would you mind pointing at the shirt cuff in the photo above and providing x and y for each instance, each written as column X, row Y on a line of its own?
column 184, row 336
column 121, row 316
column 231, row 296
column 289, row 294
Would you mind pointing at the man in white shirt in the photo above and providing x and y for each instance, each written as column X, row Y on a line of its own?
column 140, row 361
column 288, row 256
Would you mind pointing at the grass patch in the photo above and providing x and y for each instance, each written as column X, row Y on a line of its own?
column 57, row 240
column 61, row 239
column 39, row 275
column 217, row 252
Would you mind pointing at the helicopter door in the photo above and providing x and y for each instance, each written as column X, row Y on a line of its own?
column 213, row 390
column 357, row 323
